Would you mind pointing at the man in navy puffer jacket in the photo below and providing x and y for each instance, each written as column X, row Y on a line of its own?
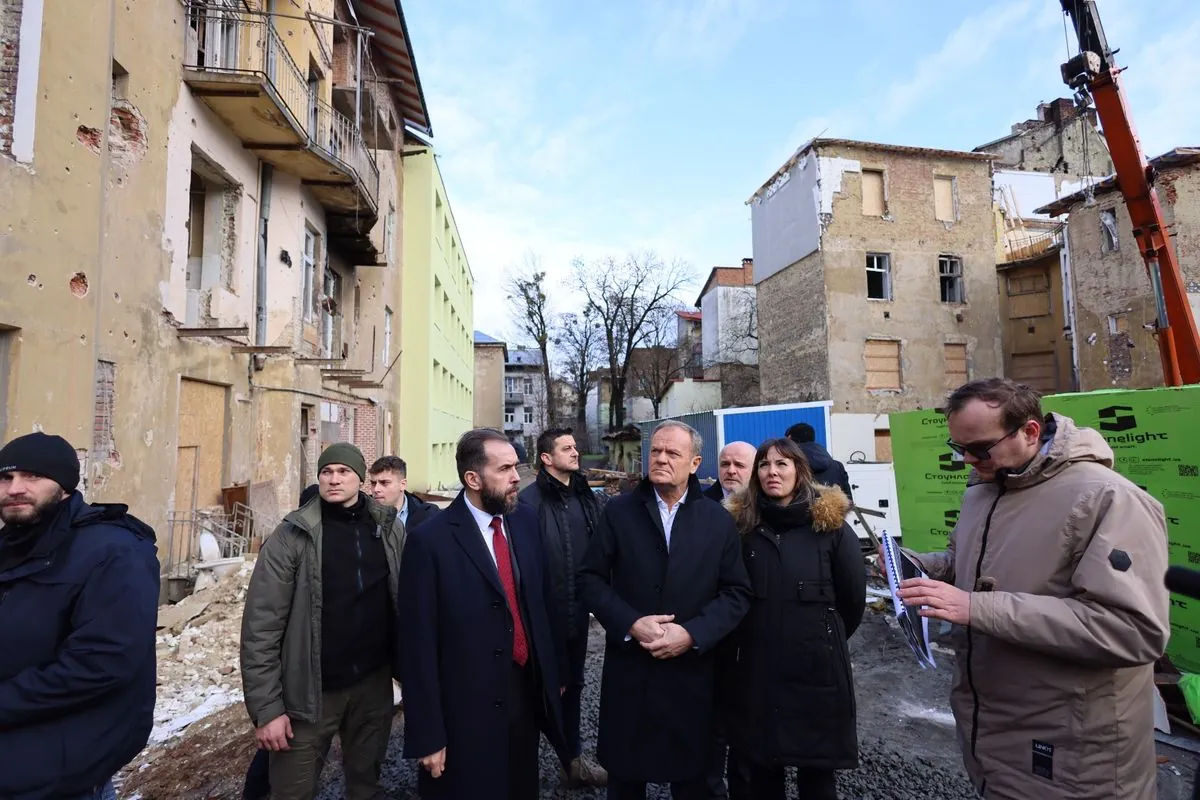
column 78, row 608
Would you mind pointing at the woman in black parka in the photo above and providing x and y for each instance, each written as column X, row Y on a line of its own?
column 790, row 693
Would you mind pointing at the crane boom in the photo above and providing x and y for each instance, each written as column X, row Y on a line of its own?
column 1092, row 74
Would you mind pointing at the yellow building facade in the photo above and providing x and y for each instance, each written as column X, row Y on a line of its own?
column 200, row 231
column 437, row 306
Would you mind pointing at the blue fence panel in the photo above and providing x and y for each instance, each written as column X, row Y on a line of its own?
column 756, row 427
column 706, row 423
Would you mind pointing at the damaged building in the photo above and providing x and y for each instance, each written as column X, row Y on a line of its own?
column 1043, row 160
column 875, row 275
column 1112, row 309
column 203, row 238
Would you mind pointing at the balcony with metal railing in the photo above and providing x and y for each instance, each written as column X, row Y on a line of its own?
column 237, row 64
column 1022, row 244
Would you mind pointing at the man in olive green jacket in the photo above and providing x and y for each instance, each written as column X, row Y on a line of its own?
column 318, row 647
column 1054, row 575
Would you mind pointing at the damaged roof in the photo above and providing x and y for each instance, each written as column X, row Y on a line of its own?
column 818, row 143
column 1173, row 159
column 386, row 19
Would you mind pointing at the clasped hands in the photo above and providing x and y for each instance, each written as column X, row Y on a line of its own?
column 661, row 637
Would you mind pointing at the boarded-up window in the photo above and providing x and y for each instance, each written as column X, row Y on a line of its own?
column 874, row 204
column 1029, row 293
column 955, row 357
column 883, row 364
column 1037, row 370
column 883, row 445
column 943, row 199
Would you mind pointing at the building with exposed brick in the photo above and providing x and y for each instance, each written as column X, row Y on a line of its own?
column 875, row 275
column 202, row 223
column 1063, row 139
column 1112, row 308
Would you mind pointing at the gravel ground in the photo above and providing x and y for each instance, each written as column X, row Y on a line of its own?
column 883, row 665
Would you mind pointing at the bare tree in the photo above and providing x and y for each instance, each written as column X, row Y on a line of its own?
column 658, row 362
column 531, row 312
column 739, row 339
column 580, row 341
column 624, row 293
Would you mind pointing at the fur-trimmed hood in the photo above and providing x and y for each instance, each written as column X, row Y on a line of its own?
column 828, row 509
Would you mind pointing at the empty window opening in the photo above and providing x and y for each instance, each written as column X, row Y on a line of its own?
column 120, row 81
column 950, row 278
column 9, row 342
column 874, row 196
column 1118, row 323
column 945, row 200
column 1110, row 241
column 213, row 205
column 883, row 364
column 879, row 276
column 954, row 358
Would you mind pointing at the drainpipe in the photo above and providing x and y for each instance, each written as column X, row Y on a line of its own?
column 1064, row 260
column 260, row 285
column 358, row 82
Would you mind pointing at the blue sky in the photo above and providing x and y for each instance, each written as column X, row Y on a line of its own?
column 570, row 128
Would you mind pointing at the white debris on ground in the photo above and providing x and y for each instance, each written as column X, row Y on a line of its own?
column 197, row 651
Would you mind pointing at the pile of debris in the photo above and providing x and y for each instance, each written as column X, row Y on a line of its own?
column 611, row 481
column 197, row 652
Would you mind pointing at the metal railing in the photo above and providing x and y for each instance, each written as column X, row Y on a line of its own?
column 234, row 531
column 1020, row 246
column 514, row 398
column 223, row 38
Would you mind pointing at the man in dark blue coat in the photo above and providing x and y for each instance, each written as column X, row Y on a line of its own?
column 78, row 607
column 664, row 576
column 825, row 468
column 479, row 662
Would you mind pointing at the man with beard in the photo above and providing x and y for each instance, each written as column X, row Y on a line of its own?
column 79, row 590
column 480, row 664
column 664, row 576
column 389, row 486
column 568, row 511
column 318, row 633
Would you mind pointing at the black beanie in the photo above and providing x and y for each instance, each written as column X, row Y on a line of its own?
column 41, row 454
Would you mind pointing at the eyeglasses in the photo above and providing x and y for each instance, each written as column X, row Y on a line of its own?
column 980, row 451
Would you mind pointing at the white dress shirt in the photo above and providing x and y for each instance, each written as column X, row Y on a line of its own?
column 484, row 521
column 668, row 514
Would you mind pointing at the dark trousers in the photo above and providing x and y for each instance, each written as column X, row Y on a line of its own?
column 572, row 697
column 635, row 790
column 769, row 782
column 718, row 750
column 361, row 715
column 258, row 777
column 523, row 735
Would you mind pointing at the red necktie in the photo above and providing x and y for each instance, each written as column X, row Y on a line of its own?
column 504, row 567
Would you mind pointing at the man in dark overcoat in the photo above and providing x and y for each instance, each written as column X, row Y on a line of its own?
column 664, row 576
column 479, row 662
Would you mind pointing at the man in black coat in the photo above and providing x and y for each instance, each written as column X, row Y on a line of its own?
column 825, row 468
column 568, row 515
column 79, row 590
column 664, row 576
column 734, row 464
column 388, row 479
column 479, row 662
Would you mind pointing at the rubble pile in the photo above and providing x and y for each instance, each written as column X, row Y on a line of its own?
column 198, row 654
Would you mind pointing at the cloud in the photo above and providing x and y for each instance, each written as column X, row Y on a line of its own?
column 703, row 30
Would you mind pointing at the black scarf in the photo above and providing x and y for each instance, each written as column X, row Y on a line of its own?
column 780, row 518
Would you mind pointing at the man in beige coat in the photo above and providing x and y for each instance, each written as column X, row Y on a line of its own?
column 1054, row 579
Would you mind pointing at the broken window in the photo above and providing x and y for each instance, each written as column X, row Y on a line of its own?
column 308, row 270
column 332, row 291
column 950, row 277
column 879, row 276
column 1118, row 323
column 387, row 336
column 389, row 234
column 944, row 200
column 954, row 357
column 882, row 358
column 1109, row 239
column 874, row 199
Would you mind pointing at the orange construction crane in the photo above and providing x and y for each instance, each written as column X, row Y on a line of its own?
column 1095, row 78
